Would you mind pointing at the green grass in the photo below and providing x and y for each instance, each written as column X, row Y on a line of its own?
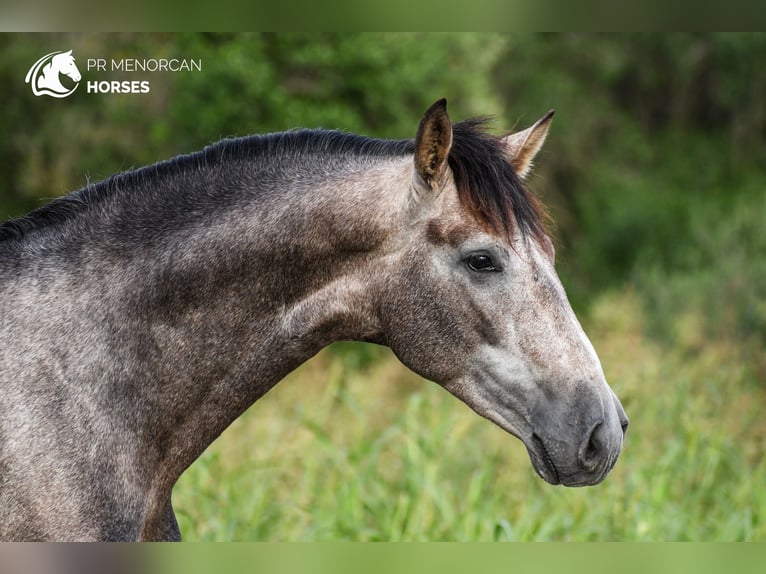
column 340, row 452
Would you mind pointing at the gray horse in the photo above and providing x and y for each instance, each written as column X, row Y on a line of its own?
column 141, row 315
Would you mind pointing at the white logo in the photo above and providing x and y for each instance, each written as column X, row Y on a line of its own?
column 44, row 75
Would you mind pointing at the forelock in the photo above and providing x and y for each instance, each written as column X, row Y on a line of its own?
column 488, row 186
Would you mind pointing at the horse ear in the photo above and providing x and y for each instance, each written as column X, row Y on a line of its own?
column 432, row 146
column 522, row 147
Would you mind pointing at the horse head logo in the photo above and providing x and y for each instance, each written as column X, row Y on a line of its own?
column 45, row 75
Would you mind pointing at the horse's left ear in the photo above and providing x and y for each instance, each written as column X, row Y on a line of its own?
column 432, row 145
column 522, row 147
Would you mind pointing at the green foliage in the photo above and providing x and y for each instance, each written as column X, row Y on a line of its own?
column 716, row 282
column 368, row 83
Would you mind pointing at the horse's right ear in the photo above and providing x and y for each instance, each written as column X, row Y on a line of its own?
column 432, row 146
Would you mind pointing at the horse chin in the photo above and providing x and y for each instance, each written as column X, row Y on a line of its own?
column 541, row 460
column 538, row 454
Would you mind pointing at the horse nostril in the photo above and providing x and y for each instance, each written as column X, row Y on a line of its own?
column 592, row 447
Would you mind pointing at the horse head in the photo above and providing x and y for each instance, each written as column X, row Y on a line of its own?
column 475, row 304
column 64, row 63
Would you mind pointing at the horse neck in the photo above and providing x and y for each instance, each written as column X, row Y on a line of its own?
column 227, row 305
column 169, row 321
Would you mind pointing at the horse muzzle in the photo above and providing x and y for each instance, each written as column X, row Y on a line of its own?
column 579, row 446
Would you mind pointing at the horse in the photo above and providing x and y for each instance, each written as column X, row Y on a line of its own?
column 44, row 74
column 141, row 315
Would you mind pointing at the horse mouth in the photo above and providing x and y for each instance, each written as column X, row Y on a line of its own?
column 538, row 454
column 542, row 461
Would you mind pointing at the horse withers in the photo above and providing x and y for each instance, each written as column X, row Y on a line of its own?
column 141, row 315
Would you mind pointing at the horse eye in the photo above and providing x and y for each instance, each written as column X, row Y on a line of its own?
column 480, row 262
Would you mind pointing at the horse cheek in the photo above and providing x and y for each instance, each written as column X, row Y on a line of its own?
column 422, row 331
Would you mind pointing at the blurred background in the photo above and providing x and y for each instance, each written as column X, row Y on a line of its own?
column 655, row 174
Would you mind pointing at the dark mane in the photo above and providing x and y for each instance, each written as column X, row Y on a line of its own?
column 486, row 182
column 269, row 149
column 488, row 185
